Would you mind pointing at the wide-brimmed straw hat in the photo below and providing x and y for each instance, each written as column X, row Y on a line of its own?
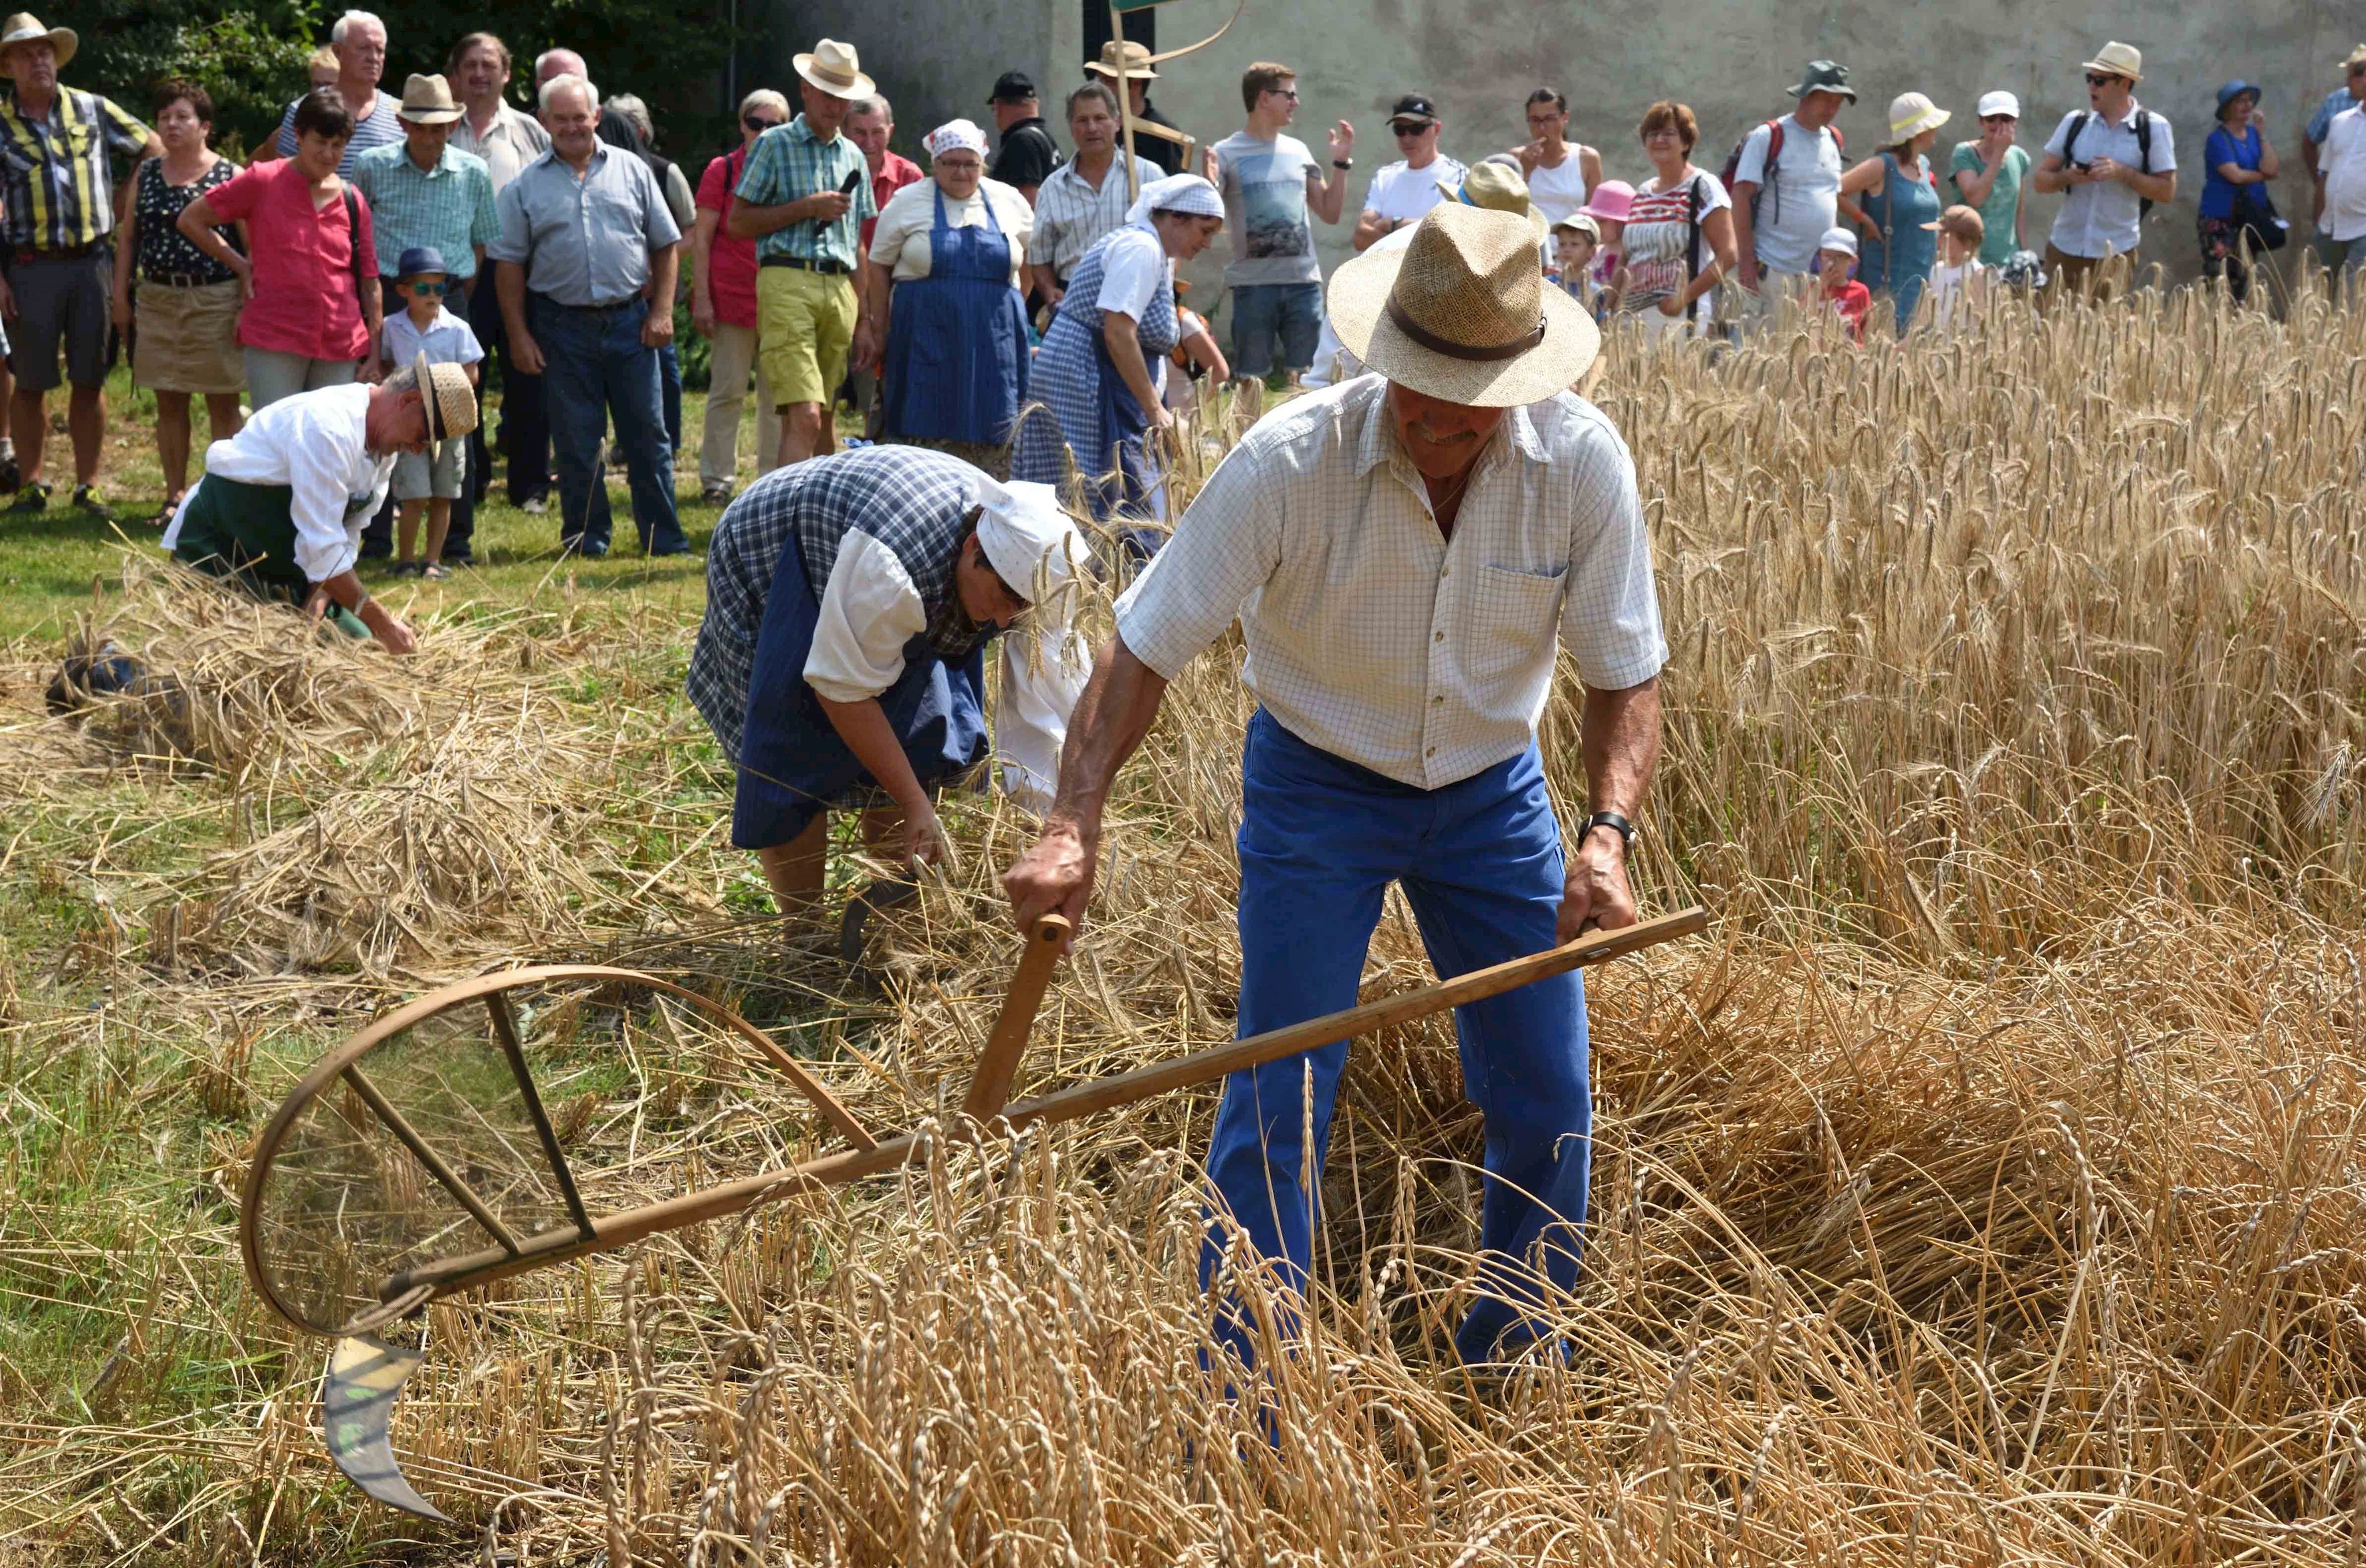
column 1911, row 114
column 1137, row 62
column 427, row 100
column 26, row 27
column 1462, row 313
column 836, row 69
column 1499, row 190
column 2118, row 59
column 450, row 402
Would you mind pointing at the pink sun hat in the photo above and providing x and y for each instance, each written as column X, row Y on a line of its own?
column 1613, row 200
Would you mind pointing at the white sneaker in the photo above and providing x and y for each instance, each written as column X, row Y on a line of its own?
column 534, row 508
column 716, row 490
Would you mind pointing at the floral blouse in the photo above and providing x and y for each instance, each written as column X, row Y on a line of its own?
column 164, row 251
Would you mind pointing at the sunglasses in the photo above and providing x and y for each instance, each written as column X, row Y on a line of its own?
column 432, row 290
column 2096, row 79
column 1405, row 129
column 757, row 122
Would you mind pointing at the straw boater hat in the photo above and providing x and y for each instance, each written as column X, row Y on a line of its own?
column 427, row 100
column 836, row 69
column 2118, row 59
column 1137, row 62
column 1911, row 114
column 25, row 27
column 450, row 402
column 1462, row 313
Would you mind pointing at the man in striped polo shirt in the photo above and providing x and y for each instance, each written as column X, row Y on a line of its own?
column 56, row 152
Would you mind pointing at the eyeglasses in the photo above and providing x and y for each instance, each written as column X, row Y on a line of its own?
column 1289, row 92
column 432, row 290
column 758, row 123
column 2097, row 79
column 1407, row 128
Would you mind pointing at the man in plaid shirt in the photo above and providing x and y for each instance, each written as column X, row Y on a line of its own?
column 803, row 199
column 57, row 149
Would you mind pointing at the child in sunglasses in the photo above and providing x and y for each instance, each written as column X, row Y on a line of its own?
column 424, row 326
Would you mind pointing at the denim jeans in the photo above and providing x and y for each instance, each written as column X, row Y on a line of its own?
column 595, row 365
column 1264, row 312
column 669, row 375
column 1479, row 861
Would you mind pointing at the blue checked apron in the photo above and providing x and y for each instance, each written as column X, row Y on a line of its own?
column 957, row 360
column 793, row 766
column 1098, row 419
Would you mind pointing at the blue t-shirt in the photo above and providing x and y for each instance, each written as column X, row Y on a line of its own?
column 2217, row 191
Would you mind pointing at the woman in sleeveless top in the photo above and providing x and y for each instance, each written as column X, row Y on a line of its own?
column 1898, row 188
column 1561, row 174
column 1093, row 374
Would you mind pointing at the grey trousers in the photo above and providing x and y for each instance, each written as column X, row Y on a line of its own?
column 271, row 375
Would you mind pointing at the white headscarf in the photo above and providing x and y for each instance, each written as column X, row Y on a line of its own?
column 1027, row 540
column 1176, row 192
column 955, row 136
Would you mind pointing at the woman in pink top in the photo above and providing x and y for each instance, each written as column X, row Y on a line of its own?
column 313, row 307
column 723, row 308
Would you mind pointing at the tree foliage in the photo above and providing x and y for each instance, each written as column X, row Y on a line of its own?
column 251, row 56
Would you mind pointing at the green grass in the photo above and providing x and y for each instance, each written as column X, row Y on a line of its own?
column 49, row 561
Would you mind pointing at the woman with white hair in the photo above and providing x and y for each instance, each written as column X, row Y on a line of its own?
column 1093, row 372
column 944, row 264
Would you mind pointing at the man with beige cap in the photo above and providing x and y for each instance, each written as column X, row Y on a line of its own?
column 2113, row 160
column 1406, row 553
column 2350, row 94
column 58, row 148
column 282, row 504
column 802, row 200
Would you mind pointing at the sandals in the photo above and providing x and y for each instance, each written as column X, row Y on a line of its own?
column 167, row 512
column 407, row 569
column 433, row 573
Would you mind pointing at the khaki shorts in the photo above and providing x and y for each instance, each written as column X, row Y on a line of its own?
column 186, row 339
column 805, row 325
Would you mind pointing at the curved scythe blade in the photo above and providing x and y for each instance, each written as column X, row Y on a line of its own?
column 365, row 1376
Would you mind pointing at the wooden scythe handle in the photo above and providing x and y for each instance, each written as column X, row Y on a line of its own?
column 989, row 1090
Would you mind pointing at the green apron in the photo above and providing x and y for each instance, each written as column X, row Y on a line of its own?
column 247, row 533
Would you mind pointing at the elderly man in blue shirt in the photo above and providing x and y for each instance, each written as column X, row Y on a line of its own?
column 586, row 245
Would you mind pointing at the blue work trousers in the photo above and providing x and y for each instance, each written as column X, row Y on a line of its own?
column 1481, row 862
column 595, row 365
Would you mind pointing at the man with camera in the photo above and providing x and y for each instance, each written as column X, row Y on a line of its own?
column 2113, row 160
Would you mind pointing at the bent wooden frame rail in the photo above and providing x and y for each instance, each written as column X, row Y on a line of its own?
column 985, row 1104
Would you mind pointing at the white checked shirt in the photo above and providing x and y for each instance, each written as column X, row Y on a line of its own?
column 1070, row 214
column 1368, row 634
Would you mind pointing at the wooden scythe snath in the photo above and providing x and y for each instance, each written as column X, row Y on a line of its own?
column 1118, row 8
column 365, row 1373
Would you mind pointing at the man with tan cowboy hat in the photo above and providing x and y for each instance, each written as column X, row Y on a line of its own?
column 802, row 200
column 2113, row 160
column 57, row 179
column 1406, row 553
column 282, row 504
column 1135, row 71
column 426, row 193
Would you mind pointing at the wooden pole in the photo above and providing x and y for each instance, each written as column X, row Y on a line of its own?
column 989, row 1088
column 1124, row 106
column 446, row 1276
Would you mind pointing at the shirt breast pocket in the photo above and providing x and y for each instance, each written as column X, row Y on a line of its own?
column 1512, row 614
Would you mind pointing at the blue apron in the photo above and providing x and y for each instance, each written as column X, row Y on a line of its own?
column 793, row 766
column 957, row 360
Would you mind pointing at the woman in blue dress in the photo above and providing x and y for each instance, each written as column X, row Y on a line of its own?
column 1094, row 373
column 842, row 660
column 1898, row 189
column 946, row 256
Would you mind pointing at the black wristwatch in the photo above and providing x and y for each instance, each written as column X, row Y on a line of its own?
column 1342, row 163
column 1615, row 823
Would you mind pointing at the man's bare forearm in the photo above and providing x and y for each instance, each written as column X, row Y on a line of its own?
column 1110, row 722
column 1621, row 745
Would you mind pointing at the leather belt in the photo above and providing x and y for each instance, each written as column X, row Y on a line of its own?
column 836, row 268
column 186, row 279
column 23, row 253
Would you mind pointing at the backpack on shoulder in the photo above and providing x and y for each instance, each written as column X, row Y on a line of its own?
column 2145, row 117
column 1774, row 159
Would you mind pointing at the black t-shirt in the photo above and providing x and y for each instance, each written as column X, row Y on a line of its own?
column 1167, row 155
column 1027, row 156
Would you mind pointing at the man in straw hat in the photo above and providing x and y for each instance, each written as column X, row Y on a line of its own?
column 282, row 504
column 1403, row 552
column 803, row 199
column 2114, row 160
column 1131, row 63
column 57, row 180
column 2350, row 95
column 426, row 194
